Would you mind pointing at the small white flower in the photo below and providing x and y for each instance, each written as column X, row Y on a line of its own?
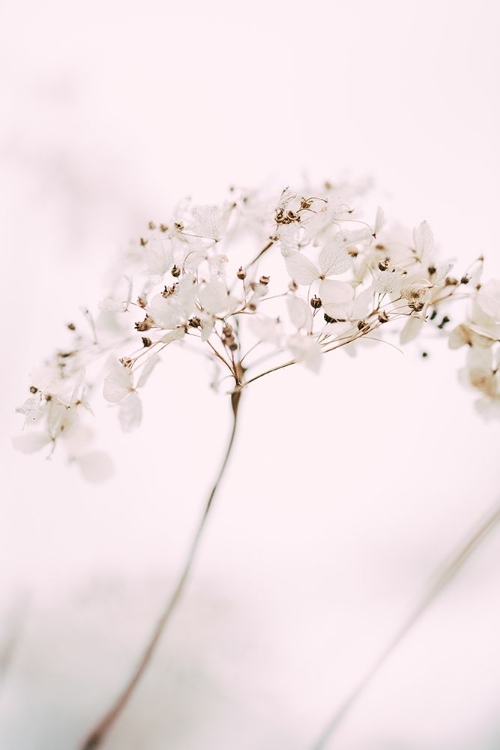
column 306, row 349
column 266, row 329
column 468, row 333
column 423, row 240
column 215, row 301
column 411, row 328
column 31, row 442
column 119, row 382
column 482, row 371
column 158, row 258
column 333, row 260
column 380, row 221
column 177, row 308
column 200, row 282
column 388, row 282
column 488, row 299
column 130, row 412
column 337, row 298
column 300, row 313
column 95, row 466
column 209, row 221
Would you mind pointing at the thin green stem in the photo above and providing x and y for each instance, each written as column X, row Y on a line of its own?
column 99, row 733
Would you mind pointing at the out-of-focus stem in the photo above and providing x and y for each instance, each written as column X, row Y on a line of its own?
column 443, row 578
column 99, row 733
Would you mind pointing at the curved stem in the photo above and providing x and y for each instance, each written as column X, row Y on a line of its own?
column 442, row 580
column 99, row 733
column 259, row 255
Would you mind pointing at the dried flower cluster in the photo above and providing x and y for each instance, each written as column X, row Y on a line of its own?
column 256, row 285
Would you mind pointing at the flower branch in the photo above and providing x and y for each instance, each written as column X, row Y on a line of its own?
column 335, row 276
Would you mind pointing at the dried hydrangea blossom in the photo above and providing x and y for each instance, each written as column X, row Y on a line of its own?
column 256, row 285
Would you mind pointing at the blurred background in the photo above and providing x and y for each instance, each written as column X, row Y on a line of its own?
column 345, row 493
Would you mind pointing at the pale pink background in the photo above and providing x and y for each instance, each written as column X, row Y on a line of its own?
column 346, row 492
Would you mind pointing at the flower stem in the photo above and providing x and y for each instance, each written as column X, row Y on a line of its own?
column 99, row 733
column 443, row 578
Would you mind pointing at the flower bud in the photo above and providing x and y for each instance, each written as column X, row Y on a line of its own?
column 144, row 325
column 329, row 319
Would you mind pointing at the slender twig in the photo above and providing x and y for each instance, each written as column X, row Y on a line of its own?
column 98, row 735
column 268, row 372
column 259, row 254
column 442, row 579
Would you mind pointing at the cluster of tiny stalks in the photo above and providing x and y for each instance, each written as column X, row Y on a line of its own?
column 336, row 278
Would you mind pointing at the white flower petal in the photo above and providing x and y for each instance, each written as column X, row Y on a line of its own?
column 423, row 240
column 307, row 350
column 388, row 282
column 32, row 408
column 337, row 298
column 147, row 369
column 459, row 337
column 209, row 221
column 488, row 408
column 362, row 304
column 62, row 420
column 118, row 383
column 163, row 311
column 31, row 442
column 95, row 466
column 488, row 299
column 301, row 269
column 380, row 221
column 300, row 312
column 158, row 258
column 334, row 259
column 111, row 305
column 289, row 235
column 213, row 297
column 411, row 329
column 469, row 334
column 176, row 335
column 193, row 260
column 130, row 414
column 265, row 329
